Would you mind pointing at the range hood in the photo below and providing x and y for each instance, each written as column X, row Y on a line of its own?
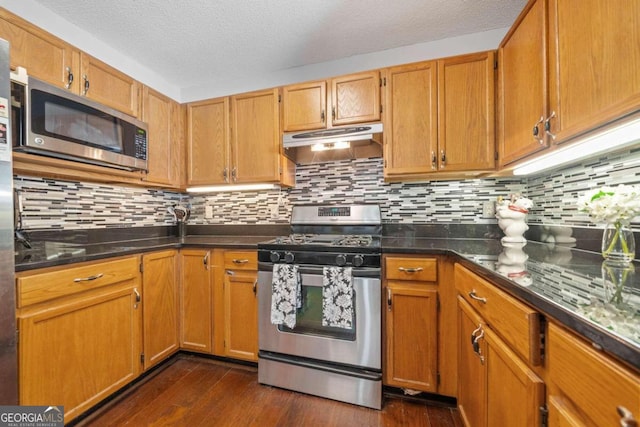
column 336, row 143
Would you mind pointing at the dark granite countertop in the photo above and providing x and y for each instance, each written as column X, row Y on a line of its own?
column 563, row 283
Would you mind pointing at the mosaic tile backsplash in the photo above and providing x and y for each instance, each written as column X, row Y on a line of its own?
column 72, row 205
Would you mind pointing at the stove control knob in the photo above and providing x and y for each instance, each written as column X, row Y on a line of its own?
column 274, row 256
column 341, row 260
column 358, row 260
column 288, row 257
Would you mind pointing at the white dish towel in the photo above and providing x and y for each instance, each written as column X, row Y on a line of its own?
column 337, row 297
column 286, row 295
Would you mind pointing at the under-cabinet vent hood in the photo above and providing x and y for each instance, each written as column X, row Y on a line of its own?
column 336, row 143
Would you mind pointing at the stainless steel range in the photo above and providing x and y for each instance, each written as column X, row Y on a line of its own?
column 319, row 299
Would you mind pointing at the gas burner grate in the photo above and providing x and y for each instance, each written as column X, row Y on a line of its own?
column 354, row 240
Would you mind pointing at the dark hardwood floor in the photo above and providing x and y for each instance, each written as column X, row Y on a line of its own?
column 194, row 391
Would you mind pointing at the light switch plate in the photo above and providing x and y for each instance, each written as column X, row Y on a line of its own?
column 208, row 212
column 488, row 209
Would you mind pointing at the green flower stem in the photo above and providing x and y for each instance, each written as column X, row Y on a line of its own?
column 618, row 284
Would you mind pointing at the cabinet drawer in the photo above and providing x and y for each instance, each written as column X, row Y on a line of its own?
column 594, row 385
column 33, row 288
column 516, row 323
column 241, row 260
column 414, row 269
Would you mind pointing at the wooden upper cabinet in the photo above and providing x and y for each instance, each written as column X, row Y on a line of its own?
column 410, row 119
column 522, row 96
column 208, row 142
column 354, row 98
column 566, row 68
column 165, row 120
column 304, row 106
column 255, row 137
column 108, row 86
column 593, row 63
column 43, row 56
column 466, row 112
column 439, row 117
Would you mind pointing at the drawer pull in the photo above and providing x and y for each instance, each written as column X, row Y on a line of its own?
column 88, row 279
column 473, row 295
column 240, row 261
column 411, row 269
column 626, row 417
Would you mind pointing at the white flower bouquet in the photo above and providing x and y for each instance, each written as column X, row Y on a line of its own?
column 611, row 205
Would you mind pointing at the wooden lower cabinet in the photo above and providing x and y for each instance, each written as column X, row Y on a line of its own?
column 587, row 387
column 196, row 300
column 77, row 349
column 496, row 388
column 160, row 306
column 240, row 309
column 412, row 336
column 411, row 322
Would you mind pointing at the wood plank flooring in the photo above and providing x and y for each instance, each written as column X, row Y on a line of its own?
column 194, row 391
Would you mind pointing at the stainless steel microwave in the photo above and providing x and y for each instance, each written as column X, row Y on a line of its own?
column 51, row 121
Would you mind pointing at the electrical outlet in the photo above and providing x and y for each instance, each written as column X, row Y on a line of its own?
column 208, row 212
column 488, row 209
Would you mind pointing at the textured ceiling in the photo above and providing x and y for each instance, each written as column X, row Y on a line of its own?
column 190, row 42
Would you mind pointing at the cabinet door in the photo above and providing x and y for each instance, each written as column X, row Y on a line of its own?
column 410, row 124
column 160, row 306
column 255, row 141
column 163, row 116
column 44, row 56
column 196, row 301
column 78, row 351
column 106, row 85
column 466, row 112
column 241, row 314
column 355, row 98
column 412, row 331
column 208, row 142
column 472, row 372
column 522, row 95
column 303, row 106
column 515, row 393
column 594, row 63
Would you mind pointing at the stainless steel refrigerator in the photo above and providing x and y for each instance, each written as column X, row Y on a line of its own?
column 8, row 342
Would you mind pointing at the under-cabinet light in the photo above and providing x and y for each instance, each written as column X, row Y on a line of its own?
column 236, row 187
column 614, row 137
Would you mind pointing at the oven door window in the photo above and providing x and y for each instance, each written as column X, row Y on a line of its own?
column 309, row 317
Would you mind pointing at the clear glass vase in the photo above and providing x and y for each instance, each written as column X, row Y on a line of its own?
column 618, row 244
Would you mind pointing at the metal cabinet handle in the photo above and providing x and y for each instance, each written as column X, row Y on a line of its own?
column 536, row 131
column 434, row 160
column 410, row 269
column 547, row 125
column 255, row 287
column 205, row 261
column 225, row 175
column 138, row 297
column 333, row 112
column 69, row 78
column 234, row 174
column 86, row 84
column 322, row 116
column 443, row 159
column 626, row 417
column 88, row 279
column 473, row 295
column 240, row 261
column 388, row 299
